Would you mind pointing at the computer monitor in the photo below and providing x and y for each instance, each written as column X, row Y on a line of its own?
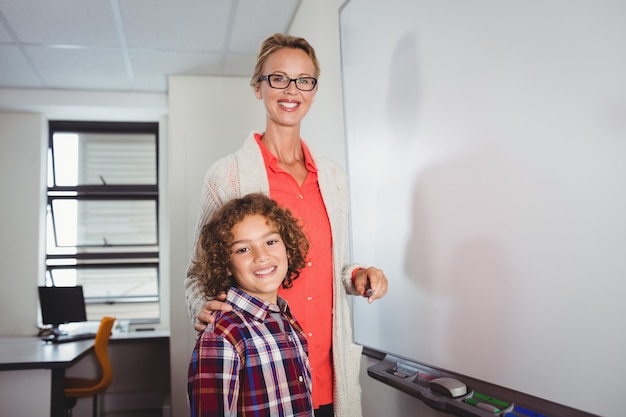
column 60, row 305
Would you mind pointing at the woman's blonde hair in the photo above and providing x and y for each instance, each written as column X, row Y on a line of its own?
column 212, row 258
column 277, row 42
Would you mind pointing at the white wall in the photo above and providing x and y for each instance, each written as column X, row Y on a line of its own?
column 85, row 105
column 22, row 219
column 318, row 23
column 13, row 386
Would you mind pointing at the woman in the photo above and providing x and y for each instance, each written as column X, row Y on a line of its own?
column 279, row 164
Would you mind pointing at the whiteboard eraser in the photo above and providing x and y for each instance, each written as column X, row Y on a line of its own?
column 448, row 386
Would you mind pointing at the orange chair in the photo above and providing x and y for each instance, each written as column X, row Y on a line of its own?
column 76, row 388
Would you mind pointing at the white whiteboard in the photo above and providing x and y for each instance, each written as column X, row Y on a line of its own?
column 486, row 146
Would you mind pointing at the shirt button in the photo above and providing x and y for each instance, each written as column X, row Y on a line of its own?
column 300, row 378
column 300, row 196
column 309, row 298
column 310, row 334
column 309, row 263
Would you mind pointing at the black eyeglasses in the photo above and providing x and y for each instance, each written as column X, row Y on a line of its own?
column 282, row 82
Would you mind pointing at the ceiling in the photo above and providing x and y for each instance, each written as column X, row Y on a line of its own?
column 132, row 45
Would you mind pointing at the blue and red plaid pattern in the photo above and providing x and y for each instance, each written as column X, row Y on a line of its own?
column 253, row 362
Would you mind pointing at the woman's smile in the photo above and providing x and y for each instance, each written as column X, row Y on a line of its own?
column 289, row 105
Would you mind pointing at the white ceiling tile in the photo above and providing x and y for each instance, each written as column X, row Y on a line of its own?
column 152, row 68
column 5, row 36
column 241, row 65
column 66, row 22
column 190, row 25
column 15, row 70
column 81, row 68
column 258, row 19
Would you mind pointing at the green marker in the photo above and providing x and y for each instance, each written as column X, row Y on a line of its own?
column 485, row 398
column 487, row 403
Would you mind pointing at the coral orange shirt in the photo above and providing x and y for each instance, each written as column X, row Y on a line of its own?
column 311, row 297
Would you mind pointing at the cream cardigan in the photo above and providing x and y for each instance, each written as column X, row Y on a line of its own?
column 243, row 172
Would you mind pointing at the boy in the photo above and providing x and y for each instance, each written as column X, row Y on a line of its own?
column 254, row 359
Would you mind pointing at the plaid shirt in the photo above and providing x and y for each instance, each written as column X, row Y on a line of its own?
column 253, row 362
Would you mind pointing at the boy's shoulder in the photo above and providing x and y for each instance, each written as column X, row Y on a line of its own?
column 229, row 325
column 229, row 319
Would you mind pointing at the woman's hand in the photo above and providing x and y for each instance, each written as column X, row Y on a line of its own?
column 206, row 315
column 371, row 283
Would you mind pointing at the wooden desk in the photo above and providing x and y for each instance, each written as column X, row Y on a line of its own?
column 24, row 353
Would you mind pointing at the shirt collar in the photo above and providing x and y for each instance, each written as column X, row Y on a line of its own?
column 271, row 161
column 252, row 305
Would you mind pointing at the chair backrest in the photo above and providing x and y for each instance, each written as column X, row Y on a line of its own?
column 101, row 348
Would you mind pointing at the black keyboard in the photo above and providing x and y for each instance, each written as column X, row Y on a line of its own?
column 64, row 338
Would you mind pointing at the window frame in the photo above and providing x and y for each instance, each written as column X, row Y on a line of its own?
column 111, row 259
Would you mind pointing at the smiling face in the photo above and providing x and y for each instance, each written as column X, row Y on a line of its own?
column 258, row 257
column 289, row 106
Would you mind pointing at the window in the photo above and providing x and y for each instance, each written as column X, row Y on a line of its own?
column 102, row 216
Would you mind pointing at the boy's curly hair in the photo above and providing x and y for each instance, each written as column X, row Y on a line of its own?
column 212, row 258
